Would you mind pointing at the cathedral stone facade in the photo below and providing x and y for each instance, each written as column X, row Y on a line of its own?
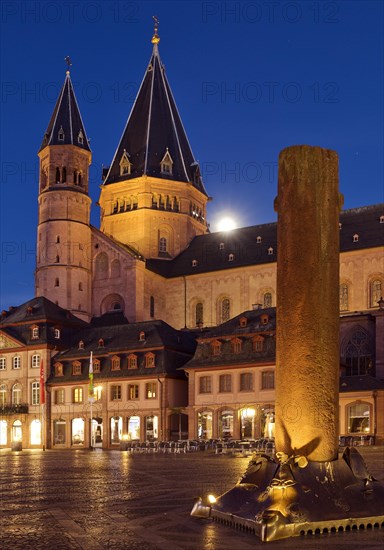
column 153, row 260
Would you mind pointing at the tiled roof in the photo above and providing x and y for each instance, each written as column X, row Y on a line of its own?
column 172, row 349
column 360, row 383
column 258, row 244
column 37, row 309
column 154, row 128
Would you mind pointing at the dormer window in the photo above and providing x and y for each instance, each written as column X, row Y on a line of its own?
column 115, row 363
column 60, row 135
column 76, row 367
column 132, row 361
column 221, row 246
column 166, row 163
column 150, row 360
column 258, row 343
column 355, row 238
column 100, row 343
column 340, row 225
column 57, row 333
column 236, row 345
column 29, row 310
column 231, row 257
column 381, row 219
column 142, row 336
column 96, row 365
column 59, row 369
column 194, row 263
column 34, row 333
column 270, row 251
column 243, row 322
column 264, row 319
column 125, row 165
column 216, row 347
column 81, row 344
column 258, row 239
column 80, row 138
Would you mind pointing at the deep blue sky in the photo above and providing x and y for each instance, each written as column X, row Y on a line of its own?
column 249, row 79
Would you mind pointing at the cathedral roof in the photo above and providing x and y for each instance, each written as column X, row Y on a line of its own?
column 360, row 228
column 154, row 133
column 66, row 126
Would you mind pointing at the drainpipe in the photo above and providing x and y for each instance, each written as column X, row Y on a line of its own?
column 161, row 407
column 185, row 301
column 374, row 395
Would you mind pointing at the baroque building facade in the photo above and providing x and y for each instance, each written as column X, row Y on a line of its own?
column 154, row 263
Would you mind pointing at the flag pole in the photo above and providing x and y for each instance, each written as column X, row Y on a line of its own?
column 91, row 398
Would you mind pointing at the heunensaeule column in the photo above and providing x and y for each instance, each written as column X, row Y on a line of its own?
column 307, row 359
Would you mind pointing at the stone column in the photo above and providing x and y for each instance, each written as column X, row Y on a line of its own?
column 307, row 356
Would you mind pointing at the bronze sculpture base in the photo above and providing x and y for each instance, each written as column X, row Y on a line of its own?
column 292, row 497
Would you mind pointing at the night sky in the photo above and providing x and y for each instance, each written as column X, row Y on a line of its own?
column 249, row 79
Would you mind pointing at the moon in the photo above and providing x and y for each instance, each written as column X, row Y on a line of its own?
column 226, row 224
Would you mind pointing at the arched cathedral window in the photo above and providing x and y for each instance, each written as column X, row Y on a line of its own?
column 375, row 292
column 357, row 354
column 199, row 314
column 343, row 296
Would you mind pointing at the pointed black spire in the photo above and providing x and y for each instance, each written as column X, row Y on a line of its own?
column 154, row 139
column 66, row 126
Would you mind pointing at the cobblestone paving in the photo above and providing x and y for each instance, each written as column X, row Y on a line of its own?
column 112, row 500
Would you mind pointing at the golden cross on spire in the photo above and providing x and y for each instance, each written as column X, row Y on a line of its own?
column 155, row 37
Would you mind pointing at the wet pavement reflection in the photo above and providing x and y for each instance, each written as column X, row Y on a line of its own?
column 115, row 500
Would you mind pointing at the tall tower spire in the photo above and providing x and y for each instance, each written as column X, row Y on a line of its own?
column 63, row 270
column 154, row 168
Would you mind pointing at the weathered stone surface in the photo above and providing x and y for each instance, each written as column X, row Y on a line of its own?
column 307, row 360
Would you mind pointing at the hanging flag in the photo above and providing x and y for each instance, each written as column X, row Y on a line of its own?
column 90, row 387
column 42, row 384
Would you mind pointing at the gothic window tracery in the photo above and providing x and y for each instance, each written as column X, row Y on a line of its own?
column 357, row 354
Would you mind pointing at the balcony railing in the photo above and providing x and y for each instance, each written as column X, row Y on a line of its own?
column 20, row 408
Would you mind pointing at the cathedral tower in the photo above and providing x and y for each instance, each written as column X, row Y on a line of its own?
column 153, row 198
column 63, row 271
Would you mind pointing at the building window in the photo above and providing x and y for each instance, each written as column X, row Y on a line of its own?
column 57, row 282
column 231, row 257
column 59, row 369
column 3, row 363
column 61, row 134
column 100, row 343
column 226, row 421
column 356, row 354
column 57, row 333
column 216, row 347
column 375, row 292
column 34, row 333
column 3, row 394
column 97, row 392
column 246, row 381
column 115, row 364
column 258, row 343
column 224, row 310
column 236, row 345
column 150, row 360
column 80, row 286
column 225, row 383
column 205, row 384
column 355, row 238
column 221, row 246
column 35, row 361
column 76, row 368
column 194, row 263
column 150, row 390
column 35, row 389
column 96, row 366
column 116, row 392
column 270, row 251
column 16, row 394
column 199, row 314
column 80, row 138
column 166, row 163
column 77, row 395
column 243, row 322
column 81, row 344
column 132, row 361
column 258, row 239
column 204, row 425
column 60, row 396
column 267, row 300
column 162, row 244
column 125, row 165
column 267, row 380
column 343, row 297
column 152, row 306
column 16, row 362
column 142, row 336
column 358, row 416
column 133, row 391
